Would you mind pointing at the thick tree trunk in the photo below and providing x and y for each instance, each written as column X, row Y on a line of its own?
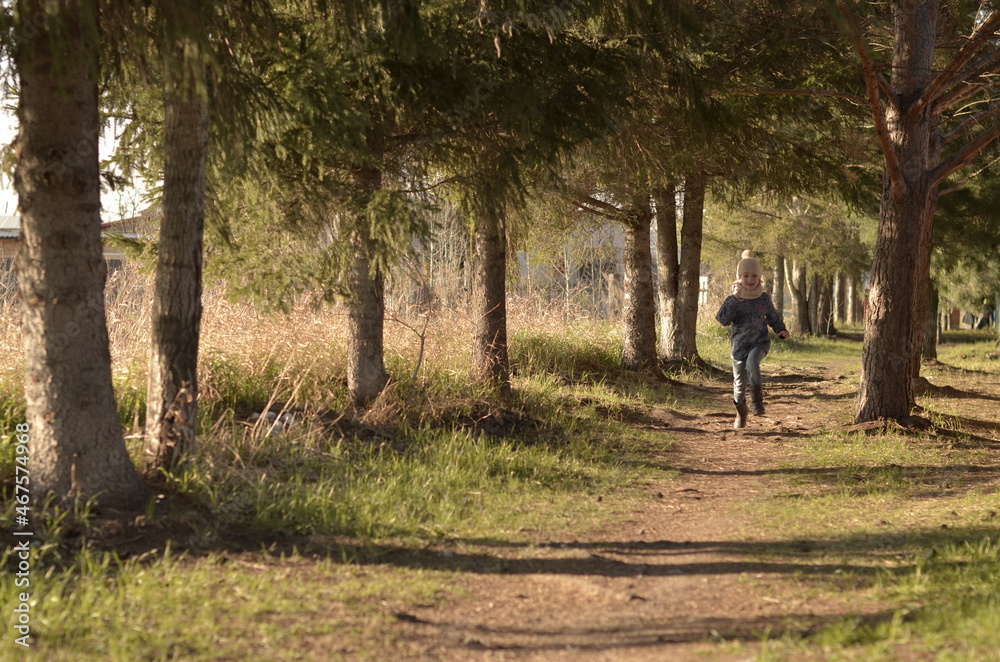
column 489, row 293
column 76, row 444
column 894, row 318
column 639, row 318
column 799, row 286
column 892, row 312
column 172, row 395
column 689, row 284
column 668, row 270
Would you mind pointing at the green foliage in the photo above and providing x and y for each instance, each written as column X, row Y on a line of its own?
column 822, row 234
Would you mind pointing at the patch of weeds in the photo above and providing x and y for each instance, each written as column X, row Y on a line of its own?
column 569, row 357
column 130, row 397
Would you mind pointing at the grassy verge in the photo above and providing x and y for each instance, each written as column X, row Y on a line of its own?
column 910, row 521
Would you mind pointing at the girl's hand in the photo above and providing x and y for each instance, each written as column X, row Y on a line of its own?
column 784, row 334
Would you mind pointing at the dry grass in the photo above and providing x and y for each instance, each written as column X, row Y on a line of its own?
column 308, row 343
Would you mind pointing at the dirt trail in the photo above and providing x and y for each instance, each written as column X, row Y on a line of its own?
column 672, row 582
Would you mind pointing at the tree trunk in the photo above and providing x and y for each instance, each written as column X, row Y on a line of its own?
column 799, row 285
column 824, row 307
column 489, row 292
column 894, row 319
column 931, row 327
column 812, row 300
column 840, row 298
column 854, row 312
column 639, row 318
column 366, row 374
column 887, row 356
column 172, row 395
column 689, row 284
column 75, row 438
column 778, row 289
column 667, row 270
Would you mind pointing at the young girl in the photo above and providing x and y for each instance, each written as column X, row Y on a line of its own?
column 750, row 311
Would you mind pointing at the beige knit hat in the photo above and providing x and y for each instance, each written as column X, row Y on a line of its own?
column 748, row 265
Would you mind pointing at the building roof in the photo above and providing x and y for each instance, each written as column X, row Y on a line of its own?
column 10, row 226
column 133, row 228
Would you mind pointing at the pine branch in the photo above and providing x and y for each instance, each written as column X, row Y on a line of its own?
column 965, row 180
column 599, row 207
column 964, row 156
column 853, row 98
column 874, row 83
column 980, row 118
column 953, row 75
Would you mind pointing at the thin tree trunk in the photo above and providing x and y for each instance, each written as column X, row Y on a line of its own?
column 172, row 395
column 778, row 290
column 639, row 318
column 799, row 285
column 689, row 284
column 815, row 285
column 931, row 327
column 489, row 292
column 75, row 438
column 366, row 374
column 824, row 307
column 854, row 311
column 668, row 270
column 840, row 297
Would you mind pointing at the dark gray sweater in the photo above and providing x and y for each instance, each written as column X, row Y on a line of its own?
column 749, row 319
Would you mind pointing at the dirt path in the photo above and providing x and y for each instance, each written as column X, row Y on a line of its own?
column 674, row 580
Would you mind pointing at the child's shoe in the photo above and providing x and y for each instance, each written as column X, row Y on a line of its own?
column 756, row 400
column 741, row 415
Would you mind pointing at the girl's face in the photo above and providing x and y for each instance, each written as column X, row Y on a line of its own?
column 749, row 281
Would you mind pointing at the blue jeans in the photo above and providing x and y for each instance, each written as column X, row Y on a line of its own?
column 747, row 372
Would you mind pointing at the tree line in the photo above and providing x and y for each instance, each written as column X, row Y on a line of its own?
column 301, row 146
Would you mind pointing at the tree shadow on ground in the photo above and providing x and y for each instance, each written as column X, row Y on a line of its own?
column 650, row 634
column 865, row 556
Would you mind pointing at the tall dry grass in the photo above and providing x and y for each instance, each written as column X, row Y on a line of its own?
column 308, row 343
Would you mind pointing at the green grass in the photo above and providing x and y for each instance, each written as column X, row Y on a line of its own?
column 215, row 607
column 912, row 519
